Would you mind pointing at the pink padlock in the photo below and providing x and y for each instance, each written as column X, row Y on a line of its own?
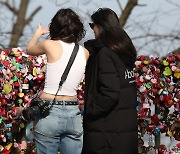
column 146, row 106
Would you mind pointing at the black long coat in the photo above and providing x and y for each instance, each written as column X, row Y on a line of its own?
column 110, row 118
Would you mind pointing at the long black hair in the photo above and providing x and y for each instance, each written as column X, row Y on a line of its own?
column 113, row 36
column 66, row 26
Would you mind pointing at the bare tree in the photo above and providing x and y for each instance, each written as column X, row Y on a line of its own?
column 21, row 20
column 153, row 40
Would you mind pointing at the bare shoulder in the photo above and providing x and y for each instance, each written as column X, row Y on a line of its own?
column 53, row 50
column 50, row 45
column 47, row 43
column 86, row 52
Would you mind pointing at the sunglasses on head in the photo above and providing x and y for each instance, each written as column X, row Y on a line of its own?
column 91, row 25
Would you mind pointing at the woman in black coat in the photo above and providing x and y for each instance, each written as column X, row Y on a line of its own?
column 110, row 118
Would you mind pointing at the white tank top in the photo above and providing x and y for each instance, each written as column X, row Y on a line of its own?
column 55, row 70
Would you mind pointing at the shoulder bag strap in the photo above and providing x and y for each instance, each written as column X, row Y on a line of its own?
column 68, row 67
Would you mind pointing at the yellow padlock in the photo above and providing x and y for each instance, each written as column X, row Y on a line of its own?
column 177, row 75
column 146, row 62
column 11, row 81
column 169, row 133
column 22, row 125
column 35, row 71
column 16, row 52
column 7, row 89
column 9, row 146
column 21, row 94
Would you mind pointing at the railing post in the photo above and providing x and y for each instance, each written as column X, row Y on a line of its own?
column 157, row 137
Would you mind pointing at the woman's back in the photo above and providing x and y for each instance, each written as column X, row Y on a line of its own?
column 58, row 54
column 55, row 70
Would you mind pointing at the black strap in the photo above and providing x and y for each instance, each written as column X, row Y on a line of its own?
column 68, row 67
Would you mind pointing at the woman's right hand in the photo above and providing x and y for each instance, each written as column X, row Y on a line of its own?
column 34, row 48
column 41, row 30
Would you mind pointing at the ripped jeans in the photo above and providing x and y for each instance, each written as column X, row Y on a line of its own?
column 61, row 129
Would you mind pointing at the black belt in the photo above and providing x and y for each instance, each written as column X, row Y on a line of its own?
column 65, row 103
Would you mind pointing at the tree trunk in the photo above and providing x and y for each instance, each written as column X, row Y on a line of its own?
column 20, row 23
column 127, row 11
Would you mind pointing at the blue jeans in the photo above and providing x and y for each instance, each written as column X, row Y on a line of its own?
column 61, row 129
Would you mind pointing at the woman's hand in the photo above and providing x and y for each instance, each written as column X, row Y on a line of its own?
column 41, row 30
column 34, row 48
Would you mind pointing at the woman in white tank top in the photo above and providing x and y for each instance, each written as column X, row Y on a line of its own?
column 62, row 128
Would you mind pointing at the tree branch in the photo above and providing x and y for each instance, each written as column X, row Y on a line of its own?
column 62, row 3
column 127, row 11
column 158, row 36
column 32, row 15
column 120, row 6
column 1, row 45
column 12, row 9
column 175, row 4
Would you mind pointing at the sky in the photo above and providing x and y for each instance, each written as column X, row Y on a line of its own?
column 153, row 16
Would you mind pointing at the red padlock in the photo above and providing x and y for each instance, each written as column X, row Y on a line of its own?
column 150, row 128
column 3, row 102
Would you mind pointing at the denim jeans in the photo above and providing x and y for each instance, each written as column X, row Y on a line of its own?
column 61, row 129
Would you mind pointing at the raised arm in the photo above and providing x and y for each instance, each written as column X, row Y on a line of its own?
column 34, row 47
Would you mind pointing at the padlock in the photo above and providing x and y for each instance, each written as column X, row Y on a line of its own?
column 146, row 105
column 142, row 89
column 165, row 63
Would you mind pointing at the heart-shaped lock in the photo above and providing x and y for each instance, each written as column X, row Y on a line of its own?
column 169, row 133
column 154, row 90
column 146, row 62
column 6, row 63
column 16, row 84
column 148, row 85
column 165, row 63
column 161, row 148
column 167, row 71
column 142, row 89
column 170, row 59
column 21, row 94
column 173, row 68
column 177, row 75
column 7, row 89
column 15, row 78
column 153, row 80
column 34, row 71
column 138, row 63
column 3, row 102
column 146, row 105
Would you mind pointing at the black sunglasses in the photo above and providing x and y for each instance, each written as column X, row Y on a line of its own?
column 91, row 25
